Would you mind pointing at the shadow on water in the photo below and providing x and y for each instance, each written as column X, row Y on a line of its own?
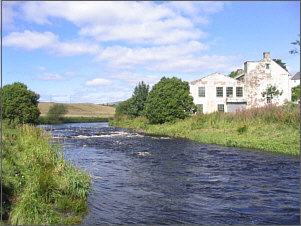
column 144, row 179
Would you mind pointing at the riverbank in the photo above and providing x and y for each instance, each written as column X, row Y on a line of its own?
column 39, row 185
column 270, row 128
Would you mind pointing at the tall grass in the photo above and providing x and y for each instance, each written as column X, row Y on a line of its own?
column 270, row 128
column 37, row 179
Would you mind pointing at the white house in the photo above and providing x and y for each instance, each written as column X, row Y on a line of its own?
column 295, row 80
column 219, row 92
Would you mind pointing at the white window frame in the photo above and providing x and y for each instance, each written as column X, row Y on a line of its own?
column 219, row 93
column 221, row 108
column 228, row 93
column 238, row 92
column 201, row 91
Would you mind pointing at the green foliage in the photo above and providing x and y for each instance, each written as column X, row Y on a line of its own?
column 281, row 64
column 123, row 108
column 37, row 176
column 270, row 128
column 20, row 104
column 138, row 100
column 168, row 100
column 295, row 51
column 56, row 112
column 233, row 74
column 271, row 91
column 296, row 93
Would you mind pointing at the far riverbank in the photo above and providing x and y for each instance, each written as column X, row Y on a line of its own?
column 270, row 128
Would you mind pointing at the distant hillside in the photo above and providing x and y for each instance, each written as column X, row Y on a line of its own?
column 81, row 110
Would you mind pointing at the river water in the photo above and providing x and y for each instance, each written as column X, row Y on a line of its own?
column 144, row 179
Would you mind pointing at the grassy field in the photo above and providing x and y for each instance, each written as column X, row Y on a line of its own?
column 39, row 187
column 81, row 110
column 271, row 128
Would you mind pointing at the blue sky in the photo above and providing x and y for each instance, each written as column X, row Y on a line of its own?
column 96, row 52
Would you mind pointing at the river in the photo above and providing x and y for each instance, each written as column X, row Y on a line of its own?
column 144, row 179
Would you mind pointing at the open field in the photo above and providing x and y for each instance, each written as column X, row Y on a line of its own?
column 81, row 110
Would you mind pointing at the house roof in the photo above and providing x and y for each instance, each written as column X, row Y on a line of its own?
column 213, row 74
column 296, row 76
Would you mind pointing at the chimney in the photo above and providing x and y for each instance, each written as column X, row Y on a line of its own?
column 239, row 71
column 266, row 55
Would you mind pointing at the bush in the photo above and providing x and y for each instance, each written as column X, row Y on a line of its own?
column 19, row 104
column 122, row 108
column 56, row 112
column 169, row 100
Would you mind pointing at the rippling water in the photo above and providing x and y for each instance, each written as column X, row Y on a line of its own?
column 143, row 179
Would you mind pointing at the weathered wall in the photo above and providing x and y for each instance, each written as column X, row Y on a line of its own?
column 210, row 82
column 258, row 77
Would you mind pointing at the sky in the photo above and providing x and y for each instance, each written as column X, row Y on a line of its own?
column 98, row 51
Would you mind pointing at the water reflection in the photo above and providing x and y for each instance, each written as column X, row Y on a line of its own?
column 142, row 179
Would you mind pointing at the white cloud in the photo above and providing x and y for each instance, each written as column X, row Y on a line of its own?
column 32, row 40
column 132, row 22
column 71, row 74
column 118, row 57
column 8, row 14
column 37, row 68
column 50, row 77
column 99, row 82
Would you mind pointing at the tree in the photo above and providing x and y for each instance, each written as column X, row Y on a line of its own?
column 295, row 51
column 56, row 112
column 20, row 104
column 122, row 108
column 271, row 93
column 168, row 100
column 138, row 99
column 296, row 93
column 232, row 74
column 280, row 63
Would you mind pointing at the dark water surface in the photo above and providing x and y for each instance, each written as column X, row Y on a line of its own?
column 143, row 179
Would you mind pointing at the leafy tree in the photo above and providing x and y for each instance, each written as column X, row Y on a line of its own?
column 283, row 65
column 295, row 51
column 168, row 100
column 56, row 112
column 122, row 108
column 271, row 92
column 232, row 74
column 20, row 104
column 296, row 93
column 138, row 99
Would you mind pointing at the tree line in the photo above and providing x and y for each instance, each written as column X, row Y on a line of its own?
column 168, row 100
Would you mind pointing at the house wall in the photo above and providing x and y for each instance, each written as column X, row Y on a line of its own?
column 294, row 83
column 258, row 77
column 210, row 101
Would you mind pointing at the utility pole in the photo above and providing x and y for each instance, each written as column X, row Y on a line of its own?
column 70, row 98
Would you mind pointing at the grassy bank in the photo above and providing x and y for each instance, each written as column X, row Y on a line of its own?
column 270, row 128
column 39, row 186
column 45, row 120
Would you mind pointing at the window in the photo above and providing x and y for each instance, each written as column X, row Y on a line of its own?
column 239, row 92
column 267, row 66
column 219, row 91
column 220, row 107
column 200, row 107
column 229, row 91
column 201, row 91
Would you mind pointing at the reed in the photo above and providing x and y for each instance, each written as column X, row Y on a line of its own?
column 37, row 178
